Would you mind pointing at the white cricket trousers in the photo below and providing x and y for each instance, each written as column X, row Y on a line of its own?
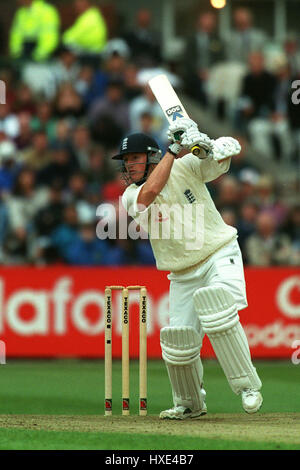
column 223, row 269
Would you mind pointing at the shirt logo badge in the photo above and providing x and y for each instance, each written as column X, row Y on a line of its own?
column 190, row 196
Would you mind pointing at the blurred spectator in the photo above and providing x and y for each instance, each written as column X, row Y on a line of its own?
column 34, row 33
column 112, row 70
column 24, row 102
column 99, row 171
column 51, row 215
column 147, row 103
column 44, row 120
column 292, row 51
column 113, row 190
column 3, row 225
column 24, row 139
column 248, row 179
column 279, row 126
column 9, row 123
column 39, row 155
column 65, row 68
column 229, row 217
column 268, row 200
column 63, row 132
column 25, row 200
column 115, row 55
column 60, row 168
column 68, row 103
column 87, row 36
column 243, row 38
column 132, row 86
column 40, row 79
column 147, row 126
column 257, row 97
column 228, row 197
column 81, row 144
column 223, row 88
column 266, row 247
column 109, row 116
column 66, row 232
column 23, row 204
column 203, row 49
column 3, row 136
column 8, row 166
column 76, row 187
column 143, row 41
column 269, row 129
column 88, row 250
column 84, row 83
column 45, row 222
column 291, row 228
column 246, row 224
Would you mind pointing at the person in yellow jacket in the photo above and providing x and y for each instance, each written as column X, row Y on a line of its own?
column 34, row 32
column 88, row 35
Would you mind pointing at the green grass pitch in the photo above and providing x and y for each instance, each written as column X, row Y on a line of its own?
column 59, row 404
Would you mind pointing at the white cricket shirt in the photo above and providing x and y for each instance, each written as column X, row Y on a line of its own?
column 183, row 223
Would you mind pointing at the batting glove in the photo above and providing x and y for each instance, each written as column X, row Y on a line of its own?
column 192, row 137
column 178, row 127
column 225, row 147
column 175, row 148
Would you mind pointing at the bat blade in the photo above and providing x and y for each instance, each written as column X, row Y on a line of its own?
column 170, row 103
column 167, row 98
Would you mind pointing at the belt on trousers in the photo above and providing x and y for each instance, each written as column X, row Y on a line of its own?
column 195, row 266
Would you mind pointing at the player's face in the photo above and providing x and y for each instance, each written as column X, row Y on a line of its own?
column 135, row 165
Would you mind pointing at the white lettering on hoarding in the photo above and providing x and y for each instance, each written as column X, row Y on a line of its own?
column 272, row 335
column 39, row 323
column 283, row 297
column 2, row 352
column 78, row 312
column 61, row 295
column 296, row 354
column 52, row 311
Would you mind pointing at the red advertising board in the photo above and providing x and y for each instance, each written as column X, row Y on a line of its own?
column 58, row 312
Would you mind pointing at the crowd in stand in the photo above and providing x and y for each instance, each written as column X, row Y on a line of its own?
column 247, row 78
column 68, row 106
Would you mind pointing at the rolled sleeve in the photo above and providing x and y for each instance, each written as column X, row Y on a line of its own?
column 206, row 169
column 129, row 201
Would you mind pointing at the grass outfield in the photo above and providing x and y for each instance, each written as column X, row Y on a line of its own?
column 59, row 405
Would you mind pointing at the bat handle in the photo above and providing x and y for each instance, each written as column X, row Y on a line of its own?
column 199, row 151
column 196, row 149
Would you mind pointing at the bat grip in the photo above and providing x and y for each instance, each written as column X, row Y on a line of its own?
column 196, row 149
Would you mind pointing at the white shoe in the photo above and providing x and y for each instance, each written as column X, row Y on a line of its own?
column 251, row 400
column 182, row 412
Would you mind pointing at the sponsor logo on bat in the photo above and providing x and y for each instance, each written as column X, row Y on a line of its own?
column 175, row 112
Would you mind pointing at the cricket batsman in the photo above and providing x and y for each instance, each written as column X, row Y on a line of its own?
column 201, row 252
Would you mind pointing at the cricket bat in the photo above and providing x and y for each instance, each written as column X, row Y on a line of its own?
column 171, row 105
